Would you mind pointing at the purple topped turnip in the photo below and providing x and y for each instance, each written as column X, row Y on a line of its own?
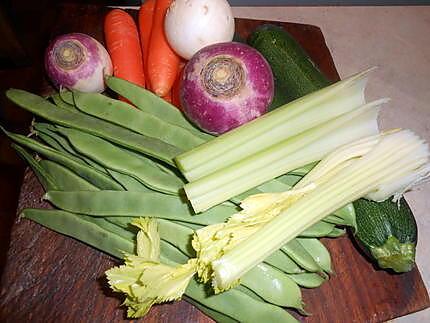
column 225, row 85
column 77, row 61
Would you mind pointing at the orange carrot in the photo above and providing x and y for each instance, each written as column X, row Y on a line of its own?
column 146, row 14
column 177, row 86
column 168, row 97
column 123, row 45
column 163, row 62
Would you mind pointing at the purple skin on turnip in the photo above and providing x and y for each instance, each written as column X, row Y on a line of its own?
column 226, row 85
column 77, row 62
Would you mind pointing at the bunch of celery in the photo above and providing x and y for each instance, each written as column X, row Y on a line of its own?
column 299, row 133
column 375, row 167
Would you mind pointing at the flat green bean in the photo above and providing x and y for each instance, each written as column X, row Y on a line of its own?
column 120, row 160
column 44, row 178
column 318, row 251
column 336, row 233
column 49, row 134
column 238, row 305
column 319, row 229
column 94, row 176
column 347, row 213
column 177, row 235
column 116, row 134
column 59, row 102
column 301, row 256
column 192, row 226
column 333, row 219
column 283, row 262
column 67, row 96
column 128, row 182
column 135, row 204
column 51, row 131
column 273, row 286
column 151, row 103
column 128, row 234
column 127, row 116
column 308, row 280
column 79, row 228
column 215, row 315
column 64, row 178
column 51, row 142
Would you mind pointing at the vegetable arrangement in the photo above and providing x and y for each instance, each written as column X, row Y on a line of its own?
column 100, row 186
column 263, row 193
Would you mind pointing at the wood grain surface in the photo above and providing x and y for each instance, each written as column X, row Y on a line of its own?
column 52, row 278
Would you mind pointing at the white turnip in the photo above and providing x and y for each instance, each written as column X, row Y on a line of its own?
column 193, row 24
column 77, row 62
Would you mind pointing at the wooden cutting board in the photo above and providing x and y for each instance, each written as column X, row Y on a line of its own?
column 49, row 277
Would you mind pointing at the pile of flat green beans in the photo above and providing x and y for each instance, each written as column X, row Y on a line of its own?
column 102, row 162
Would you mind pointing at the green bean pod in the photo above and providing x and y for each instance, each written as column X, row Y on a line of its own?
column 127, row 116
column 283, row 262
column 347, row 213
column 120, row 160
column 273, row 286
column 301, row 256
column 67, row 96
column 333, row 219
column 47, row 181
column 64, row 178
column 318, row 252
column 215, row 315
column 116, row 134
column 59, row 102
column 135, row 204
column 128, row 182
column 50, row 141
column 177, row 235
column 80, row 228
column 151, row 103
column 94, row 176
column 308, row 280
column 48, row 133
column 319, row 229
column 336, row 233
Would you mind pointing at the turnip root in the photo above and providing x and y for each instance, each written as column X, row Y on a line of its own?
column 225, row 85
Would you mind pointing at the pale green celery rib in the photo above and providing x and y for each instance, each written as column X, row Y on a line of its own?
column 303, row 149
column 277, row 152
column 351, row 183
column 273, row 127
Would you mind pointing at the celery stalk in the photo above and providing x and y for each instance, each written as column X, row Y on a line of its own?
column 400, row 153
column 307, row 147
column 293, row 118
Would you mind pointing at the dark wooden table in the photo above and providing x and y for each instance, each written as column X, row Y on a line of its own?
column 49, row 277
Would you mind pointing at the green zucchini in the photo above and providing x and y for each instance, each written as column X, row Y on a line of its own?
column 388, row 232
column 294, row 72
